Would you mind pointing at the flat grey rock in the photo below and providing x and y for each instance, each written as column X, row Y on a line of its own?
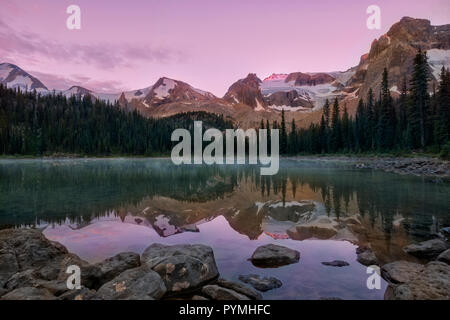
column 336, row 263
column 271, row 256
column 140, row 283
column 183, row 268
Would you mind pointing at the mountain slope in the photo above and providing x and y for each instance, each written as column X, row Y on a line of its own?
column 14, row 77
column 396, row 50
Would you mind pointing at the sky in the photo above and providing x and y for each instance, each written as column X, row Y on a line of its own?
column 125, row 45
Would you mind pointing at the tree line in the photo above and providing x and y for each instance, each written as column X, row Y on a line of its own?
column 416, row 120
column 31, row 124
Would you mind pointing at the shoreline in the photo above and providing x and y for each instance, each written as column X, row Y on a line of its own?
column 422, row 166
column 192, row 273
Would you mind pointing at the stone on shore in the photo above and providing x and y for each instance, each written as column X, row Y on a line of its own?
column 433, row 283
column 261, row 283
column 366, row 256
column 23, row 249
column 401, row 271
column 90, row 274
column 183, row 268
column 444, row 256
column 240, row 288
column 272, row 256
column 429, row 249
column 336, row 263
column 112, row 267
column 140, row 283
column 216, row 292
column 29, row 293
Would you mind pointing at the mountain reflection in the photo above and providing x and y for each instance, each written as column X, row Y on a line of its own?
column 174, row 199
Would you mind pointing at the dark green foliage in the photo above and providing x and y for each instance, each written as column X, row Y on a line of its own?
column 413, row 120
column 31, row 124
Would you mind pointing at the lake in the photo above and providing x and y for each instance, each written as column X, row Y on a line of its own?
column 100, row 207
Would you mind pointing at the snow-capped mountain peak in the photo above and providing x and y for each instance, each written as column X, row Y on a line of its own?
column 14, row 77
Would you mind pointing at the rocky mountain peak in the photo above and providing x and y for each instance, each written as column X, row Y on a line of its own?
column 246, row 91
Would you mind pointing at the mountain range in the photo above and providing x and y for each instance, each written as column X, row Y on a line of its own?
column 300, row 94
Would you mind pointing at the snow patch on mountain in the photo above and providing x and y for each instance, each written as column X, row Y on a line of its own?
column 288, row 108
column 259, row 106
column 5, row 70
column 277, row 76
column 437, row 58
column 163, row 91
column 317, row 94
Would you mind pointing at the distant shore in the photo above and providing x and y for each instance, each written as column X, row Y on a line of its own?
column 418, row 165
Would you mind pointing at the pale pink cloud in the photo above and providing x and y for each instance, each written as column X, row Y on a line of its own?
column 63, row 82
column 22, row 45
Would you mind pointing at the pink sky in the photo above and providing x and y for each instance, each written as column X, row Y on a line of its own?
column 208, row 43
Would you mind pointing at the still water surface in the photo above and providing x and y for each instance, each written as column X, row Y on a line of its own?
column 100, row 207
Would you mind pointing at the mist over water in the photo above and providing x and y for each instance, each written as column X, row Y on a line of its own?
column 99, row 207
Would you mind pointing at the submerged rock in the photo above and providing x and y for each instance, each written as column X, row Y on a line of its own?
column 272, row 256
column 219, row 293
column 401, row 271
column 433, row 283
column 427, row 249
column 140, row 283
column 240, row 288
column 336, row 263
column 182, row 267
column 444, row 256
column 261, row 283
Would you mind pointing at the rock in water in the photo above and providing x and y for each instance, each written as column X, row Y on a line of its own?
column 140, row 283
column 112, row 267
column 272, row 256
column 182, row 267
column 433, row 283
column 427, row 249
column 444, row 256
column 261, row 283
column 401, row 271
column 218, row 293
column 336, row 263
column 240, row 288
column 366, row 257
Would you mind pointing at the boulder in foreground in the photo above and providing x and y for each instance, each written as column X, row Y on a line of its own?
column 140, row 283
column 183, row 268
column 433, row 283
column 429, row 249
